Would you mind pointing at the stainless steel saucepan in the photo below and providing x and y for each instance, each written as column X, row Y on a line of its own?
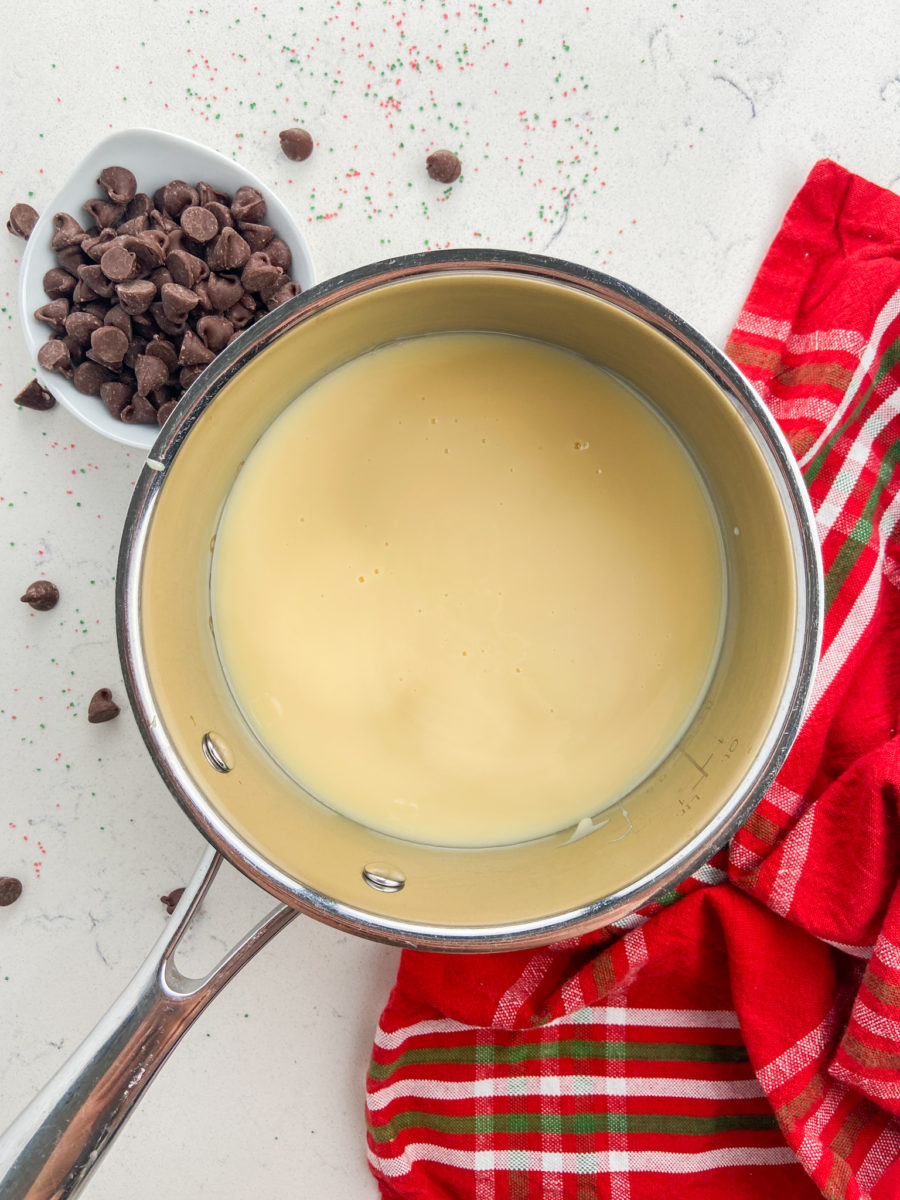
column 315, row 860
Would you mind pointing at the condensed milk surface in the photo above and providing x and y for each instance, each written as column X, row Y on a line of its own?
column 468, row 589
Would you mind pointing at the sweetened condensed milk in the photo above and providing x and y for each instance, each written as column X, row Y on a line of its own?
column 468, row 589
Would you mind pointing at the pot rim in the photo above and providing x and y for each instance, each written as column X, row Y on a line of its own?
column 760, row 773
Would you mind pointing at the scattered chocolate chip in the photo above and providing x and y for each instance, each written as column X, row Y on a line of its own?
column 444, row 166
column 97, row 280
column 42, row 595
column 248, row 204
column 95, row 247
column 296, row 144
column 118, row 183
column 119, row 319
column 22, row 219
column 34, row 396
column 102, row 707
column 187, row 375
column 160, row 347
column 172, row 899
column 11, row 890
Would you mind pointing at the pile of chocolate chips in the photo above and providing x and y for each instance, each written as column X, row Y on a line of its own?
column 145, row 297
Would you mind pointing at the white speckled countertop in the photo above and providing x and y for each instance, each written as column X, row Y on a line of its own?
column 657, row 141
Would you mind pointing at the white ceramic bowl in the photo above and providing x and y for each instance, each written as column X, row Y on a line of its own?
column 155, row 158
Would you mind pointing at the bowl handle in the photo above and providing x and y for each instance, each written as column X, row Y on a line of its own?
column 50, row 1148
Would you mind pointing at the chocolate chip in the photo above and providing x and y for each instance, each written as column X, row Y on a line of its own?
column 115, row 396
column 279, row 253
column 187, row 375
column 83, row 294
column 22, row 219
column 95, row 247
column 119, row 264
column 70, row 258
column 210, row 195
column 34, row 396
column 139, row 206
column 104, row 212
column 89, row 377
column 162, row 221
column 80, row 325
column 102, row 707
column 135, row 226
column 444, row 166
column 224, row 290
column 10, row 890
column 136, row 346
column 185, row 268
column 68, row 232
column 228, row 251
column 193, row 351
column 260, row 273
column 58, row 282
column 215, row 331
column 108, row 346
column 150, row 372
column 139, row 412
column 199, row 223
column 257, row 237
column 119, row 318
column 221, row 213
column 172, row 899
column 118, row 183
column 240, row 314
column 248, row 204
column 96, row 279
column 171, row 325
column 165, row 411
column 55, row 356
column 285, row 290
column 177, row 196
column 177, row 301
column 136, row 297
column 296, row 144
column 53, row 314
column 41, row 595
column 160, row 347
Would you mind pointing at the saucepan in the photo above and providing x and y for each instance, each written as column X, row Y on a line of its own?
column 315, row 860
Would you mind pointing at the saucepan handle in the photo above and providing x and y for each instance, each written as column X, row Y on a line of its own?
column 49, row 1150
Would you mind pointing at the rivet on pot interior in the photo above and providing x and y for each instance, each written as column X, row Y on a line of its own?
column 217, row 753
column 383, row 878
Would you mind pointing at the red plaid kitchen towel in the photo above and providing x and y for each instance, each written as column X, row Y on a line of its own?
column 740, row 1037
